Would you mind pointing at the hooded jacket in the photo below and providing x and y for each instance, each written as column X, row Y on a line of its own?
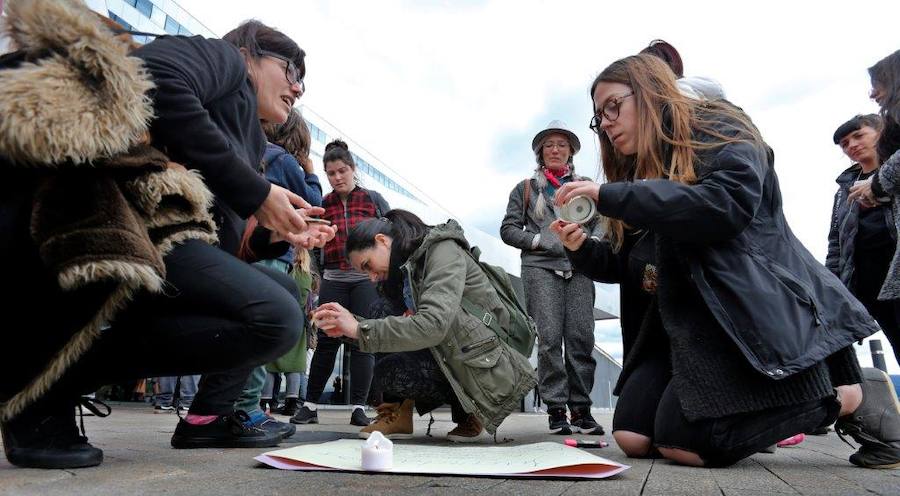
column 489, row 378
column 87, row 208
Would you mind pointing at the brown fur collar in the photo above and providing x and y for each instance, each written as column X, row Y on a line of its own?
column 115, row 205
column 79, row 97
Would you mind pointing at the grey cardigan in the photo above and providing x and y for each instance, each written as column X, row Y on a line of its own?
column 887, row 182
column 520, row 228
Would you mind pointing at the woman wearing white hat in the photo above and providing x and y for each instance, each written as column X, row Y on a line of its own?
column 559, row 300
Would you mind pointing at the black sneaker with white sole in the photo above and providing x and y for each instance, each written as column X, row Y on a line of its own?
column 559, row 423
column 305, row 416
column 227, row 431
column 583, row 422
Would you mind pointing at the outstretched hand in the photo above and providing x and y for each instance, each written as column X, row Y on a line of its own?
column 861, row 192
column 570, row 190
column 315, row 236
column 336, row 321
column 282, row 212
column 285, row 213
column 571, row 234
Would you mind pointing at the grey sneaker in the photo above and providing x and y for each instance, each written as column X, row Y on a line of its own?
column 875, row 425
column 305, row 416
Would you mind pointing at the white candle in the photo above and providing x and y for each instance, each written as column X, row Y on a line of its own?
column 377, row 453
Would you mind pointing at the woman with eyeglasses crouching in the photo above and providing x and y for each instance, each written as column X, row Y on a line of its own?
column 735, row 337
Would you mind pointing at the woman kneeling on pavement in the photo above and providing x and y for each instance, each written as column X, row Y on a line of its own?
column 443, row 354
column 735, row 336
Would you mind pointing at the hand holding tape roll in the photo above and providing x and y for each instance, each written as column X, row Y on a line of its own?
column 569, row 191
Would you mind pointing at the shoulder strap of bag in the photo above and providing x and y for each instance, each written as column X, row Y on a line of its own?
column 526, row 200
column 378, row 212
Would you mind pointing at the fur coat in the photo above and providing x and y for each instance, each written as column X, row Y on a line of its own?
column 106, row 206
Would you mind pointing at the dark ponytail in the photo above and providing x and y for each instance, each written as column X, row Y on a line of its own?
column 406, row 230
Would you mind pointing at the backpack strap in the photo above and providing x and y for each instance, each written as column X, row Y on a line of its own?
column 526, row 199
column 477, row 311
column 486, row 317
column 378, row 213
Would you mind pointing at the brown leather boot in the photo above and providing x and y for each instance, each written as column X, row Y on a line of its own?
column 394, row 421
column 466, row 432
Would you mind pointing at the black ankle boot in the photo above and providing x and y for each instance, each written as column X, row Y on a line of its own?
column 875, row 425
column 48, row 441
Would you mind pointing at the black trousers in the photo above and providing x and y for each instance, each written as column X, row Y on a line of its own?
column 358, row 297
column 648, row 405
column 219, row 317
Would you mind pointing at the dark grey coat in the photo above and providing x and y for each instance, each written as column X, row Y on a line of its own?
column 887, row 181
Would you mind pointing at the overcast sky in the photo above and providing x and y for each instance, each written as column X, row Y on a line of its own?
column 450, row 94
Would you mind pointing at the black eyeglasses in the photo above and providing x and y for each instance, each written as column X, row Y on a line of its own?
column 610, row 112
column 291, row 73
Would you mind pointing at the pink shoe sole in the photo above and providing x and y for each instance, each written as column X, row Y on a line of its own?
column 791, row 441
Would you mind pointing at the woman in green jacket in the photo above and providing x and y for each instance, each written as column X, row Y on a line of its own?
column 442, row 354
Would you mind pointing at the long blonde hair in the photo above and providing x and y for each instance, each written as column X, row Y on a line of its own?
column 668, row 126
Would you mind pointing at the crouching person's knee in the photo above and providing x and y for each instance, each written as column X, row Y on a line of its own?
column 276, row 321
column 634, row 445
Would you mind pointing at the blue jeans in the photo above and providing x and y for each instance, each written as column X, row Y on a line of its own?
column 167, row 388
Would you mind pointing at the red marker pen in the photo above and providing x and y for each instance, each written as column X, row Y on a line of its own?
column 585, row 444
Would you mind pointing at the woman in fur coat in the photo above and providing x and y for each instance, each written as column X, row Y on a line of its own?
column 110, row 245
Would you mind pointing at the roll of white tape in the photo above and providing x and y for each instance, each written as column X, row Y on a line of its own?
column 377, row 453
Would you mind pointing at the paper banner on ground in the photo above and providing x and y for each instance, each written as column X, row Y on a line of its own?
column 527, row 460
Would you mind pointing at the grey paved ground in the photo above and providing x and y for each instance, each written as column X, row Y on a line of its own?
column 138, row 460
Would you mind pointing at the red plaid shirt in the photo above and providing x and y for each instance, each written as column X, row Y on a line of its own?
column 359, row 208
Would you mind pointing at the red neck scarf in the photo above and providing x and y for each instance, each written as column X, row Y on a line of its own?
column 553, row 175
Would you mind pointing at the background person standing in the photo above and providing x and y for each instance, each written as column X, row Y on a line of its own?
column 560, row 300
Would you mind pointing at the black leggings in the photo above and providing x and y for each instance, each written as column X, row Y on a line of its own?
column 648, row 405
column 358, row 298
column 219, row 317
column 416, row 376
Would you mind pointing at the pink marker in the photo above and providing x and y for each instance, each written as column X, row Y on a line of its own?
column 585, row 444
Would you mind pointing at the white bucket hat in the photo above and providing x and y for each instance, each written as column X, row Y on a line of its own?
column 559, row 127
